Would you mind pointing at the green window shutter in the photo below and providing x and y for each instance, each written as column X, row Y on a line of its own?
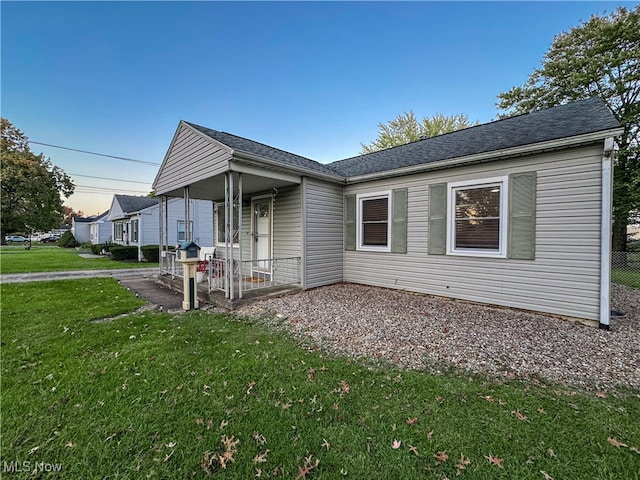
column 399, row 220
column 349, row 222
column 437, row 219
column 522, row 216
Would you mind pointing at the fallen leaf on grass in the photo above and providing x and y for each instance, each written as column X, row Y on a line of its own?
column 546, row 475
column 550, row 452
column 518, row 414
column 462, row 463
column 69, row 444
column 223, row 424
column 430, row 434
column 325, row 444
column 414, row 450
column 396, row 444
column 412, row 421
column 344, row 387
column 262, row 457
column 635, row 449
column 495, row 460
column 441, row 456
column 615, row 442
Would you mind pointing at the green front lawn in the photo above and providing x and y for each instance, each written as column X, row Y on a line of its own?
column 198, row 395
column 40, row 258
column 630, row 278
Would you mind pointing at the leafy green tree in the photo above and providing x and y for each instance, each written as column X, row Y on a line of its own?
column 31, row 186
column 601, row 57
column 406, row 128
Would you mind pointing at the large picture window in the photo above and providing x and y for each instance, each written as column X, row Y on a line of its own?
column 373, row 224
column 476, row 217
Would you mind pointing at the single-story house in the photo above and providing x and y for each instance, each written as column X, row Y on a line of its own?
column 82, row 227
column 135, row 221
column 94, row 229
column 100, row 229
column 515, row 212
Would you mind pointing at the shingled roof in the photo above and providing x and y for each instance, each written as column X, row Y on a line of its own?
column 577, row 118
column 245, row 145
column 131, row 204
column 573, row 119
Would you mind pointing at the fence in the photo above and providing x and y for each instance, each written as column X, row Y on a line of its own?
column 625, row 268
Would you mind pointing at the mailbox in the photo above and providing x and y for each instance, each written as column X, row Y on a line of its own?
column 188, row 252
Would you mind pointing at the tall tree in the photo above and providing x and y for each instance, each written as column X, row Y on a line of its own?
column 406, row 128
column 69, row 214
column 31, row 186
column 601, row 57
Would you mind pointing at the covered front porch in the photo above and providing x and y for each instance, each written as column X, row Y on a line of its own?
column 257, row 193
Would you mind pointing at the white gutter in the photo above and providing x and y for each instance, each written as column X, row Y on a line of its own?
column 605, row 235
column 490, row 156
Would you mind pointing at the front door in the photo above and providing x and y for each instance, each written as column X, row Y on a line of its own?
column 262, row 235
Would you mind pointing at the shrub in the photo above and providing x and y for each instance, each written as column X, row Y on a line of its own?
column 124, row 253
column 67, row 240
column 96, row 249
column 151, row 253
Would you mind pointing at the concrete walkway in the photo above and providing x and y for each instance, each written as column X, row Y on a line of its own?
column 141, row 281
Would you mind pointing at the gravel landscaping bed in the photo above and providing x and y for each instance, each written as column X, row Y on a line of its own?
column 433, row 333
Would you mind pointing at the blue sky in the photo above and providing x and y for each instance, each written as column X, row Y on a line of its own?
column 313, row 78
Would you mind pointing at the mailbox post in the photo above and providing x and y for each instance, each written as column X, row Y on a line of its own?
column 188, row 253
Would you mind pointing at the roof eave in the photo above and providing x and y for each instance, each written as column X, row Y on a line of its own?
column 521, row 150
column 258, row 161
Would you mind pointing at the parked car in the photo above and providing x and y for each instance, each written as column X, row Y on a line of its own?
column 15, row 238
column 50, row 239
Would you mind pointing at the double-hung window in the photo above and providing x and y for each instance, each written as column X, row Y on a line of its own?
column 374, row 225
column 476, row 219
column 182, row 234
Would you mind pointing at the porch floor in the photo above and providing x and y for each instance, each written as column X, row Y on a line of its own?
column 217, row 297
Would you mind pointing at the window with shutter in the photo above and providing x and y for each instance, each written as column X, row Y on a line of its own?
column 374, row 226
column 476, row 218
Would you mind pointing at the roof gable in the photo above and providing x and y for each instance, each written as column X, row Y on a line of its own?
column 123, row 206
column 245, row 145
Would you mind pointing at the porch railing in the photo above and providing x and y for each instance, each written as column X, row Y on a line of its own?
column 255, row 274
column 169, row 265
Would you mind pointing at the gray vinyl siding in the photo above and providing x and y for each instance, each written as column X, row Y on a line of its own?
column 324, row 233
column 191, row 158
column 287, row 223
column 564, row 277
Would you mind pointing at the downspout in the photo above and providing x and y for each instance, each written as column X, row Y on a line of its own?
column 605, row 235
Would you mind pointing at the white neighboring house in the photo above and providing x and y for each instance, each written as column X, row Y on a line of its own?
column 100, row 229
column 91, row 229
column 136, row 221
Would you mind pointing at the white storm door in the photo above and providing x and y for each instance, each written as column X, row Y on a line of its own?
column 261, row 234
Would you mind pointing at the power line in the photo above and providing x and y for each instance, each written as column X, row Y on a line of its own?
column 105, row 178
column 92, row 188
column 144, row 162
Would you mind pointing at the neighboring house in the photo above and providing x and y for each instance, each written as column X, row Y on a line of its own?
column 100, row 229
column 83, row 227
column 515, row 212
column 135, row 221
column 94, row 229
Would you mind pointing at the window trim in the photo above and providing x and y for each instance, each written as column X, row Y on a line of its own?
column 503, row 181
column 183, row 222
column 360, row 198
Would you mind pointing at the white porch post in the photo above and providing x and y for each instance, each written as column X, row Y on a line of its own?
column 230, row 234
column 161, row 232
column 226, row 234
column 240, row 235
